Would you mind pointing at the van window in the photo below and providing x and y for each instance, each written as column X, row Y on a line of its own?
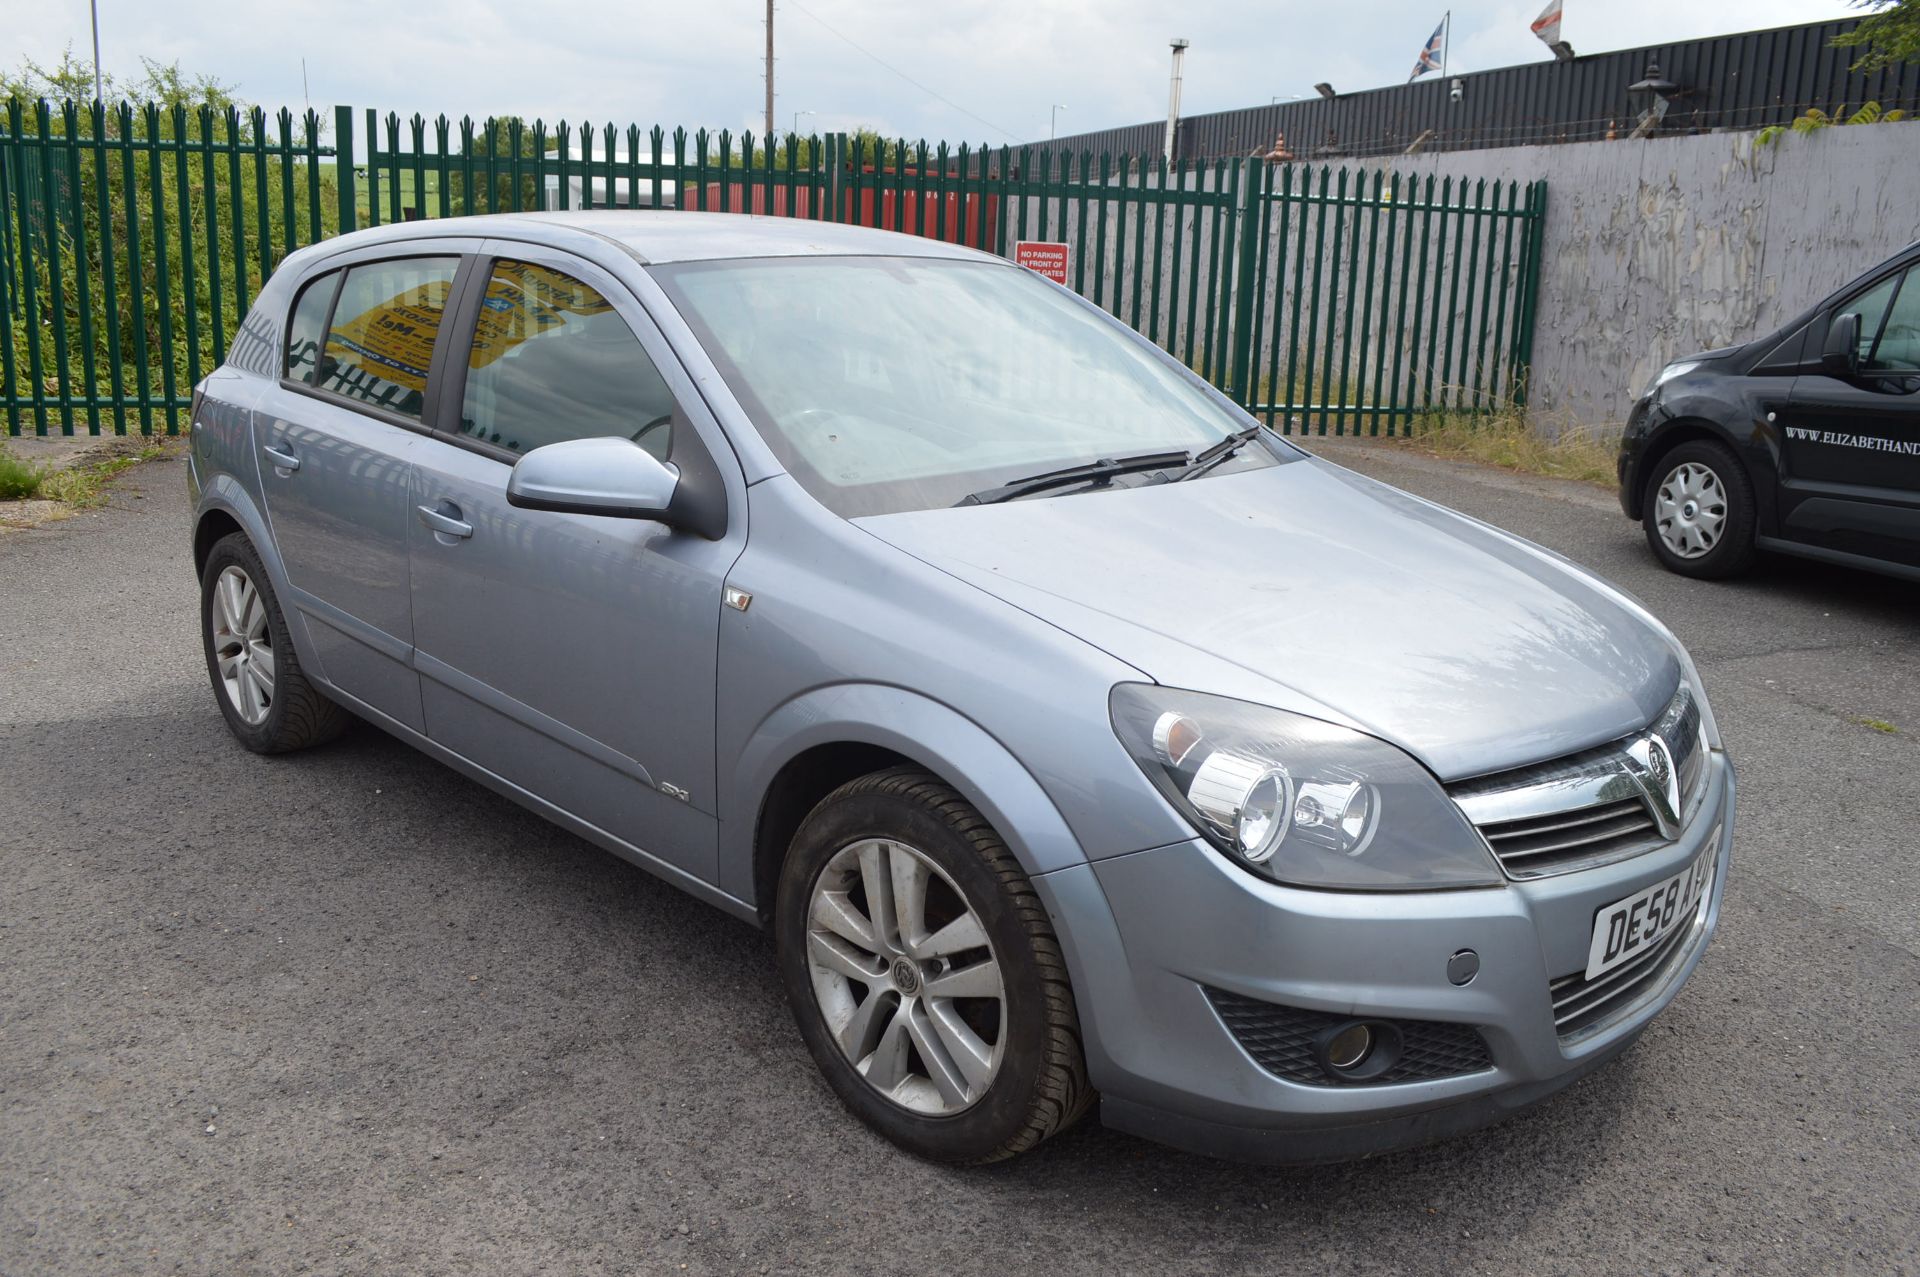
column 1894, row 346
column 380, row 344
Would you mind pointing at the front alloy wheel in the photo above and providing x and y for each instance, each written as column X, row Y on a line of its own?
column 905, row 977
column 924, row 974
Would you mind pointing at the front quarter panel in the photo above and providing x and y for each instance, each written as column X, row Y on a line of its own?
column 1733, row 408
column 850, row 640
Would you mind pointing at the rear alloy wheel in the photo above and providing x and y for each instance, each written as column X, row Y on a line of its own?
column 264, row 696
column 1698, row 512
column 924, row 975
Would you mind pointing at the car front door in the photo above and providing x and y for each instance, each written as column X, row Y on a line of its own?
column 571, row 655
column 335, row 439
column 1850, row 447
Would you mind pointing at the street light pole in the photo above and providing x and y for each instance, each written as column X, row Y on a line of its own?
column 98, row 94
column 1173, row 95
column 769, row 132
column 796, row 119
column 1053, row 119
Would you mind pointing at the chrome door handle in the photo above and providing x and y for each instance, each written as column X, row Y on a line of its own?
column 445, row 525
column 281, row 460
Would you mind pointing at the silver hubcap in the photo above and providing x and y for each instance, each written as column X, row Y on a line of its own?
column 243, row 646
column 1689, row 510
column 905, row 977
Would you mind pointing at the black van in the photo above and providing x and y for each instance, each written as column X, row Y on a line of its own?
column 1806, row 441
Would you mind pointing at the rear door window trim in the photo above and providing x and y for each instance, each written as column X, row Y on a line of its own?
column 465, row 262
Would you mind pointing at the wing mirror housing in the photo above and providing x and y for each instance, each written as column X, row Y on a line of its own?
column 616, row 478
column 1840, row 357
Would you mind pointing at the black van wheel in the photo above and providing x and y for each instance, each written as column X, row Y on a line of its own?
column 1698, row 512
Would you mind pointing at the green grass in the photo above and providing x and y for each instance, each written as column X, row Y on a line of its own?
column 1505, row 439
column 78, row 486
column 427, row 199
column 1879, row 725
column 18, row 480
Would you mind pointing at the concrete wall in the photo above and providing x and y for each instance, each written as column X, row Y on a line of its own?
column 1653, row 249
column 1657, row 248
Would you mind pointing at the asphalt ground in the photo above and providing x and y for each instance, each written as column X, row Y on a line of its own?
column 348, row 1012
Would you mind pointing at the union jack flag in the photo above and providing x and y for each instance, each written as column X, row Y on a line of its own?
column 1430, row 55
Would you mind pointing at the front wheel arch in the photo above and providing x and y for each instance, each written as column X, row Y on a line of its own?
column 1678, row 433
column 880, row 721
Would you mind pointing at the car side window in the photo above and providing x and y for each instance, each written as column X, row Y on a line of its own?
column 380, row 343
column 1894, row 344
column 552, row 360
column 303, row 329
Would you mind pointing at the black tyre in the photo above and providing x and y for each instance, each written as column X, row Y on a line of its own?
column 924, row 974
column 1698, row 511
column 256, row 675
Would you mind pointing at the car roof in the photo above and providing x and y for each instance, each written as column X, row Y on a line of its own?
column 660, row 236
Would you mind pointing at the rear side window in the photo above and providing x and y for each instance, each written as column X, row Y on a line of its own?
column 303, row 330
column 552, row 360
column 380, row 343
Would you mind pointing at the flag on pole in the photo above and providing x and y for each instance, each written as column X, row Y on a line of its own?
column 1547, row 25
column 1432, row 55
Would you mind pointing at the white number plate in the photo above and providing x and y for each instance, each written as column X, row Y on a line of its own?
column 1627, row 928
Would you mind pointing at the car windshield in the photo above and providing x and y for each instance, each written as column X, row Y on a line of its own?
column 888, row 384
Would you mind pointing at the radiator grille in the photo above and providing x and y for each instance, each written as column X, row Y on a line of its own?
column 1582, row 1006
column 1537, row 845
column 1597, row 806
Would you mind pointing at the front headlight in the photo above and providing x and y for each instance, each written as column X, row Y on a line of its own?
column 1668, row 373
column 1299, row 800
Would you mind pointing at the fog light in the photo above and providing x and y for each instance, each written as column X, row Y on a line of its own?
column 1349, row 1048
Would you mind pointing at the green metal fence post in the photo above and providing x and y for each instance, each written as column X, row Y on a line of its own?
column 344, row 179
column 9, row 161
column 56, row 266
column 1536, row 232
column 82, row 282
column 1252, row 204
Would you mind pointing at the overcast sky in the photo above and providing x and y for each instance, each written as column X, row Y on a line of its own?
column 975, row 70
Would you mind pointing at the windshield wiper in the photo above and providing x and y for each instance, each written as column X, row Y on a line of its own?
column 1092, row 472
column 1215, row 453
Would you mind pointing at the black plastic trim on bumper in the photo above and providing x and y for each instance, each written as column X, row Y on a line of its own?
column 1307, row 1146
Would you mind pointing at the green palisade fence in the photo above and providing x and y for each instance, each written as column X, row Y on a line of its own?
column 1323, row 299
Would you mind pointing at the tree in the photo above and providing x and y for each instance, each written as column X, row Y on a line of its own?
column 1890, row 36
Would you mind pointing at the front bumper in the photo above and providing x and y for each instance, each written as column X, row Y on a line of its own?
column 1633, row 443
column 1147, row 935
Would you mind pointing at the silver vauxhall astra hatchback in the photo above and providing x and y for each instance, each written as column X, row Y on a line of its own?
column 1077, row 737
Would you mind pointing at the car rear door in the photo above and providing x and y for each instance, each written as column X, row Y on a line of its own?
column 335, row 440
column 570, row 655
column 1850, row 446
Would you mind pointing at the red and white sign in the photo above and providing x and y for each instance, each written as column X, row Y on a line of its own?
column 1042, row 258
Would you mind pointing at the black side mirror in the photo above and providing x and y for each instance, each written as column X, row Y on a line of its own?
column 1840, row 357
